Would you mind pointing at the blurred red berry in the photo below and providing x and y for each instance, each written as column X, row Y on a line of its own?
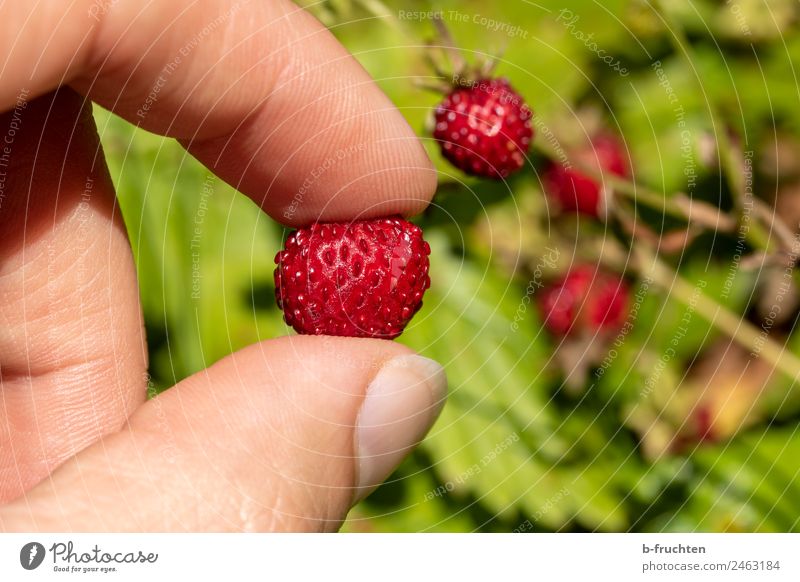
column 704, row 425
column 575, row 191
column 584, row 300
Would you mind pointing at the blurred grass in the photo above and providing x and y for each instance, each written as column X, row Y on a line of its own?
column 562, row 461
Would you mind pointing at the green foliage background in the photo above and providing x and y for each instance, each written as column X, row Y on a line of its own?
column 515, row 448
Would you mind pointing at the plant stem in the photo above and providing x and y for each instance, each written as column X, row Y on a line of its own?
column 679, row 207
column 730, row 157
column 381, row 11
column 741, row 331
column 457, row 60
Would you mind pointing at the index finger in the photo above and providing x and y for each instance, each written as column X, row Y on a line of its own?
column 260, row 92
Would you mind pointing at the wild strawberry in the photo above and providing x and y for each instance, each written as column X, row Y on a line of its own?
column 574, row 191
column 584, row 300
column 359, row 279
column 484, row 128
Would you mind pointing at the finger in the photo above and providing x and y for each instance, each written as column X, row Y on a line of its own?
column 259, row 91
column 72, row 355
column 283, row 435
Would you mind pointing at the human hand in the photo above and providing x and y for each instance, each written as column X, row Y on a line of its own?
column 283, row 435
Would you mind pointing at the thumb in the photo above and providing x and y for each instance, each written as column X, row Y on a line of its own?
column 284, row 435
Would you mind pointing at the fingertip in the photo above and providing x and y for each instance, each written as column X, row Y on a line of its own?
column 346, row 154
column 405, row 190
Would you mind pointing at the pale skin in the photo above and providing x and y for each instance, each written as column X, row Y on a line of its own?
column 264, row 439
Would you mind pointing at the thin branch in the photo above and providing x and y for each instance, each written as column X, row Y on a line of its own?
column 754, row 339
column 678, row 206
column 730, row 156
column 456, row 58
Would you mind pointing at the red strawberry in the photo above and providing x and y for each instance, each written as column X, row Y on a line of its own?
column 359, row 279
column 484, row 129
column 575, row 191
column 584, row 300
